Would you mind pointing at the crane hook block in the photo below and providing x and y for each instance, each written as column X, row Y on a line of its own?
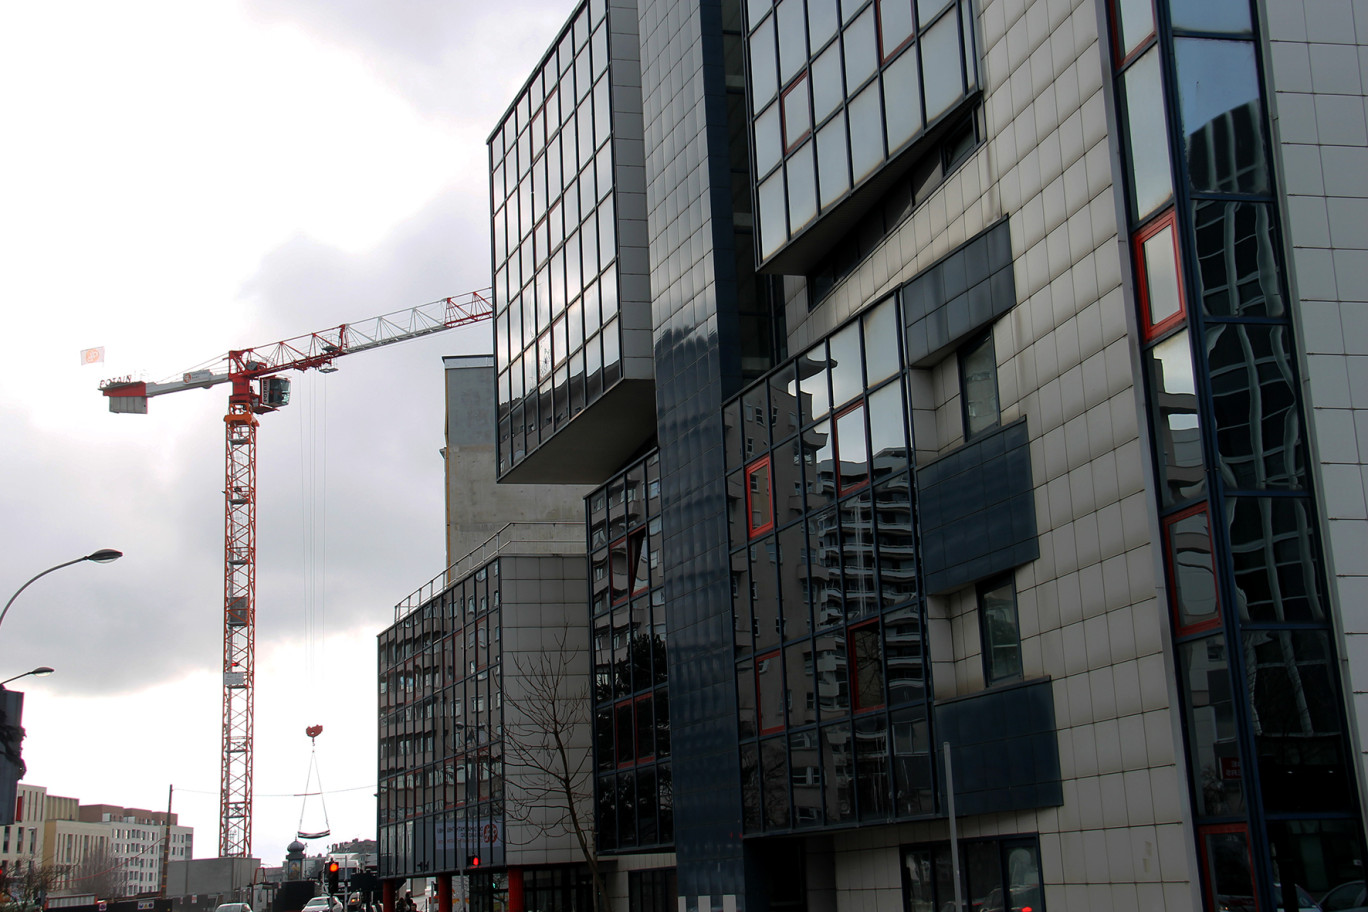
column 313, row 731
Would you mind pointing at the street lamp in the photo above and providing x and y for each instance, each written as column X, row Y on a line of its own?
column 42, row 671
column 103, row 556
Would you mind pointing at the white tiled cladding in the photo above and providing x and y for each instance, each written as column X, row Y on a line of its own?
column 1317, row 59
column 1090, row 612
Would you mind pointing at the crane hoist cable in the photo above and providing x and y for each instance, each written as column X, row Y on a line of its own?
column 313, row 731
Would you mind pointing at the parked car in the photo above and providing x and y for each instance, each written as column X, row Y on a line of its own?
column 323, row 904
column 1347, row 897
column 234, row 907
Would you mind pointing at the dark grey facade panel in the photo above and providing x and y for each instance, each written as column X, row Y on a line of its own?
column 962, row 292
column 978, row 510
column 1004, row 748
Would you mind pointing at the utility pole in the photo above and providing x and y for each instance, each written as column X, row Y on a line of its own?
column 166, row 841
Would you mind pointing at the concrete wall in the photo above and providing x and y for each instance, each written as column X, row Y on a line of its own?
column 477, row 507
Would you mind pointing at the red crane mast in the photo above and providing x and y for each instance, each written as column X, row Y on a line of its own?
column 258, row 388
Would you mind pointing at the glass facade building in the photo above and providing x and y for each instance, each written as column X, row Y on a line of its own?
column 970, row 394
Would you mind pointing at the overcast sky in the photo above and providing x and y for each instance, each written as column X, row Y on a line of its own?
column 178, row 179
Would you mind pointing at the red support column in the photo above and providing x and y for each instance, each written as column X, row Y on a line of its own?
column 443, row 893
column 387, row 895
column 516, row 901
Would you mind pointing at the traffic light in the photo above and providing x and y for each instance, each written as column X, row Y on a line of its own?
column 333, row 868
column 472, row 861
column 11, row 759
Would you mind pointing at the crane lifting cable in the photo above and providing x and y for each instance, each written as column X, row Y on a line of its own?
column 313, row 731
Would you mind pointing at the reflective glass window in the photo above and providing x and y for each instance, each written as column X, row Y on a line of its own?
column 774, row 780
column 1237, row 258
column 819, row 465
column 1147, row 134
column 797, row 113
column 871, row 773
column 750, row 788
column 1276, row 563
column 1220, row 16
column 942, row 70
column 1295, row 704
column 838, row 768
column 847, row 373
column 823, row 20
column 1135, row 23
column 1176, row 427
column 1192, row 573
column 756, row 10
column 866, row 132
column 881, row 342
column 745, row 699
column 887, row 430
column 852, row 451
column 792, row 25
column 802, row 692
column 769, row 142
column 828, row 91
column 833, row 163
column 998, row 630
column 764, row 65
column 788, row 481
column 802, row 187
column 1255, row 405
column 759, row 498
column 895, row 25
column 1161, row 293
column 794, row 580
column 867, row 666
column 1218, row 91
column 978, row 385
column 897, row 541
column 857, row 565
column 1213, row 750
column 773, row 214
column 765, row 594
column 769, row 685
column 861, row 50
column 902, row 90
column 928, row 10
column 814, row 396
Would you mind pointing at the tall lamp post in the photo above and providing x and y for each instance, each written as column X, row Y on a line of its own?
column 103, row 556
column 42, row 671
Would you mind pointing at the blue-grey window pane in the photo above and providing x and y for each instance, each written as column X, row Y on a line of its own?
column 941, row 69
column 1205, row 674
column 1137, row 23
column 881, row 342
column 607, row 243
column 927, row 10
column 603, row 171
column 764, row 66
column 608, row 294
column 1274, row 557
column 611, row 344
column 1255, row 406
column 755, row 11
column 966, row 12
column 1147, row 135
column 895, row 24
column 833, row 166
column 769, row 144
column 866, row 132
column 823, row 22
column 827, row 89
column 1237, row 267
column 802, row 187
column 1218, row 91
column 861, row 50
column 602, row 112
column 773, row 224
column 887, row 433
column 847, row 375
column 599, row 49
column 790, row 16
column 814, row 397
column 797, row 113
column 849, row 8
column 1229, row 17
column 1177, row 430
column 902, row 99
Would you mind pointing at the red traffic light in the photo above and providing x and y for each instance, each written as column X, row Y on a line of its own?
column 472, row 861
column 333, row 867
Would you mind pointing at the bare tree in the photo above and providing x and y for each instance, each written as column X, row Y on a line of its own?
column 24, row 888
column 546, row 733
column 99, row 872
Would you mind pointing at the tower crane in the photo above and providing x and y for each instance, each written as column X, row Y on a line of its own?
column 258, row 387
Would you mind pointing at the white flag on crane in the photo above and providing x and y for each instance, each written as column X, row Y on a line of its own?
column 92, row 355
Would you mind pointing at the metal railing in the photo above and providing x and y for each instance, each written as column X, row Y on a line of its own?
column 520, row 538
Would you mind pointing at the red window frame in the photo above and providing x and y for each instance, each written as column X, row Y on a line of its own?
column 760, row 725
column 766, row 463
column 1171, row 576
column 1208, row 881
column 887, row 54
column 791, row 144
column 1118, row 52
column 841, row 489
column 1149, row 329
column 853, row 665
